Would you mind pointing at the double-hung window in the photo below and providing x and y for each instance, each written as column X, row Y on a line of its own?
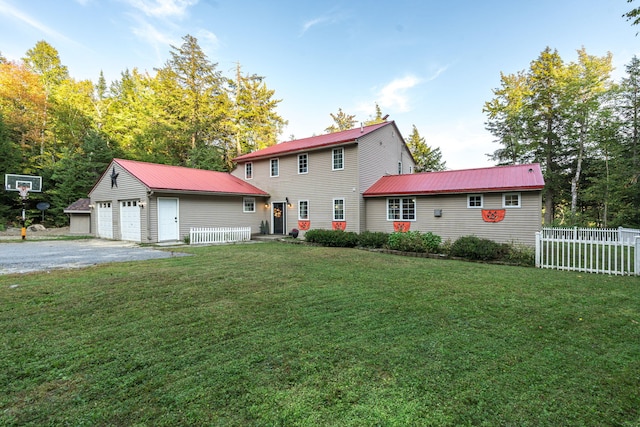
column 248, row 205
column 474, row 201
column 338, row 159
column 303, row 163
column 401, row 209
column 275, row 167
column 303, row 210
column 248, row 170
column 338, row 209
column 511, row 200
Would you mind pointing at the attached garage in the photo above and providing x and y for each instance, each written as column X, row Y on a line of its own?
column 151, row 203
column 130, row 220
column 104, row 214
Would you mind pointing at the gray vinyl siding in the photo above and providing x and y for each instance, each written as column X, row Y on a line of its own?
column 320, row 186
column 457, row 220
column 379, row 154
column 129, row 188
column 208, row 211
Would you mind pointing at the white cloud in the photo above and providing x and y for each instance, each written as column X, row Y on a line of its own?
column 159, row 40
column 11, row 12
column 207, row 40
column 394, row 96
column 163, row 8
column 331, row 17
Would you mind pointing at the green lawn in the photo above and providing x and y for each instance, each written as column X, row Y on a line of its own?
column 285, row 335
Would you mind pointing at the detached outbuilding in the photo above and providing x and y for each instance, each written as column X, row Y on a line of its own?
column 79, row 216
column 502, row 203
column 151, row 203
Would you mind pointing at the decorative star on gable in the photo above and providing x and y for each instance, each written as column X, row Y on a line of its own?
column 114, row 178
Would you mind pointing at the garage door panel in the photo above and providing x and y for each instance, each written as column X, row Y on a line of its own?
column 105, row 220
column 130, row 220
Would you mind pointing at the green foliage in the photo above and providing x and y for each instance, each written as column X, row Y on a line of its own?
column 341, row 121
column 414, row 241
column 475, row 248
column 427, row 159
column 332, row 238
column 373, row 239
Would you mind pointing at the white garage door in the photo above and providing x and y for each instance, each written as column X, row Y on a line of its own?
column 130, row 220
column 105, row 220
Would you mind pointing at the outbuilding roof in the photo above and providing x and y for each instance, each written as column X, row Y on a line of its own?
column 314, row 142
column 79, row 206
column 491, row 179
column 181, row 179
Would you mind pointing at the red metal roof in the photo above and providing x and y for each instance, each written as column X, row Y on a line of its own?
column 178, row 178
column 311, row 143
column 499, row 178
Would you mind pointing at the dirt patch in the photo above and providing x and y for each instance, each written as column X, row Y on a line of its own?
column 13, row 232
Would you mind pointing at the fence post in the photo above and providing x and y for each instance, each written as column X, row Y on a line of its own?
column 637, row 256
column 538, row 248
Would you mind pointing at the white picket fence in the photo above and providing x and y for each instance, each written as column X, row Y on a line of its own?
column 208, row 235
column 592, row 250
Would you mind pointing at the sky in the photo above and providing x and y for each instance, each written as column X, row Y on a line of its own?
column 426, row 63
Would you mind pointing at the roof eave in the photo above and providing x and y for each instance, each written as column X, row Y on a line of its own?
column 207, row 193
column 296, row 150
column 460, row 191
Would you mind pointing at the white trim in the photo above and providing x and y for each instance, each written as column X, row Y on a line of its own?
column 469, row 196
column 333, row 163
column 308, row 214
column 250, row 166
column 504, row 196
column 277, row 160
column 344, row 209
column 244, row 204
column 307, row 163
column 401, row 207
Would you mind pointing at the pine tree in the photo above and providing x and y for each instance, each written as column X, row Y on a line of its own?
column 427, row 159
column 341, row 121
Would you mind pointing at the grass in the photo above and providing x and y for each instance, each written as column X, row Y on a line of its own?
column 291, row 335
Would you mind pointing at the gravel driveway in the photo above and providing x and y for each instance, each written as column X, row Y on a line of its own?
column 31, row 256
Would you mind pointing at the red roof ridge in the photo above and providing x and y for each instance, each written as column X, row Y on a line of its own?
column 313, row 142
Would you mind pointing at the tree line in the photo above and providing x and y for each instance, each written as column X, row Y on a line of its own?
column 582, row 127
column 67, row 131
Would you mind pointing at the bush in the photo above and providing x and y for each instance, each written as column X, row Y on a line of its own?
column 521, row 255
column 414, row 241
column 335, row 238
column 373, row 239
column 475, row 248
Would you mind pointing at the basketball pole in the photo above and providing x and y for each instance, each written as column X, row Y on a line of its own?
column 24, row 192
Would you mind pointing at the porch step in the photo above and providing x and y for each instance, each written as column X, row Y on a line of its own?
column 267, row 237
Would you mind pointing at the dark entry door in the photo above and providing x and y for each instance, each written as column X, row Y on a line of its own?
column 279, row 218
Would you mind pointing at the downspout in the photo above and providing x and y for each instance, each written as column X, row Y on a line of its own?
column 149, row 194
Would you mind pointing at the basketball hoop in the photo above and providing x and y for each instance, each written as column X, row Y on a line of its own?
column 24, row 191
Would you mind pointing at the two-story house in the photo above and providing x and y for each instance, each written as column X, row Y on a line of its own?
column 355, row 180
column 319, row 182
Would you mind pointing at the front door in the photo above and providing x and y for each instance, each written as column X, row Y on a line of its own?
column 168, row 229
column 279, row 218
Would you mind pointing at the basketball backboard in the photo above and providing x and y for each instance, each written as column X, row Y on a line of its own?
column 13, row 182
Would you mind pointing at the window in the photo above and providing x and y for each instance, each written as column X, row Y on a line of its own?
column 303, row 210
column 410, row 169
column 511, row 200
column 248, row 205
column 399, row 168
column 401, row 209
column 275, row 167
column 474, row 201
column 338, row 159
column 338, row 209
column 303, row 163
column 248, row 170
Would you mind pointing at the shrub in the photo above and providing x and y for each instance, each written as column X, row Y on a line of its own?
column 414, row 241
column 521, row 255
column 335, row 238
column 475, row 248
column 373, row 239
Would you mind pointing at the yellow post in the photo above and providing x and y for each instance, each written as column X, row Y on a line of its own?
column 24, row 233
